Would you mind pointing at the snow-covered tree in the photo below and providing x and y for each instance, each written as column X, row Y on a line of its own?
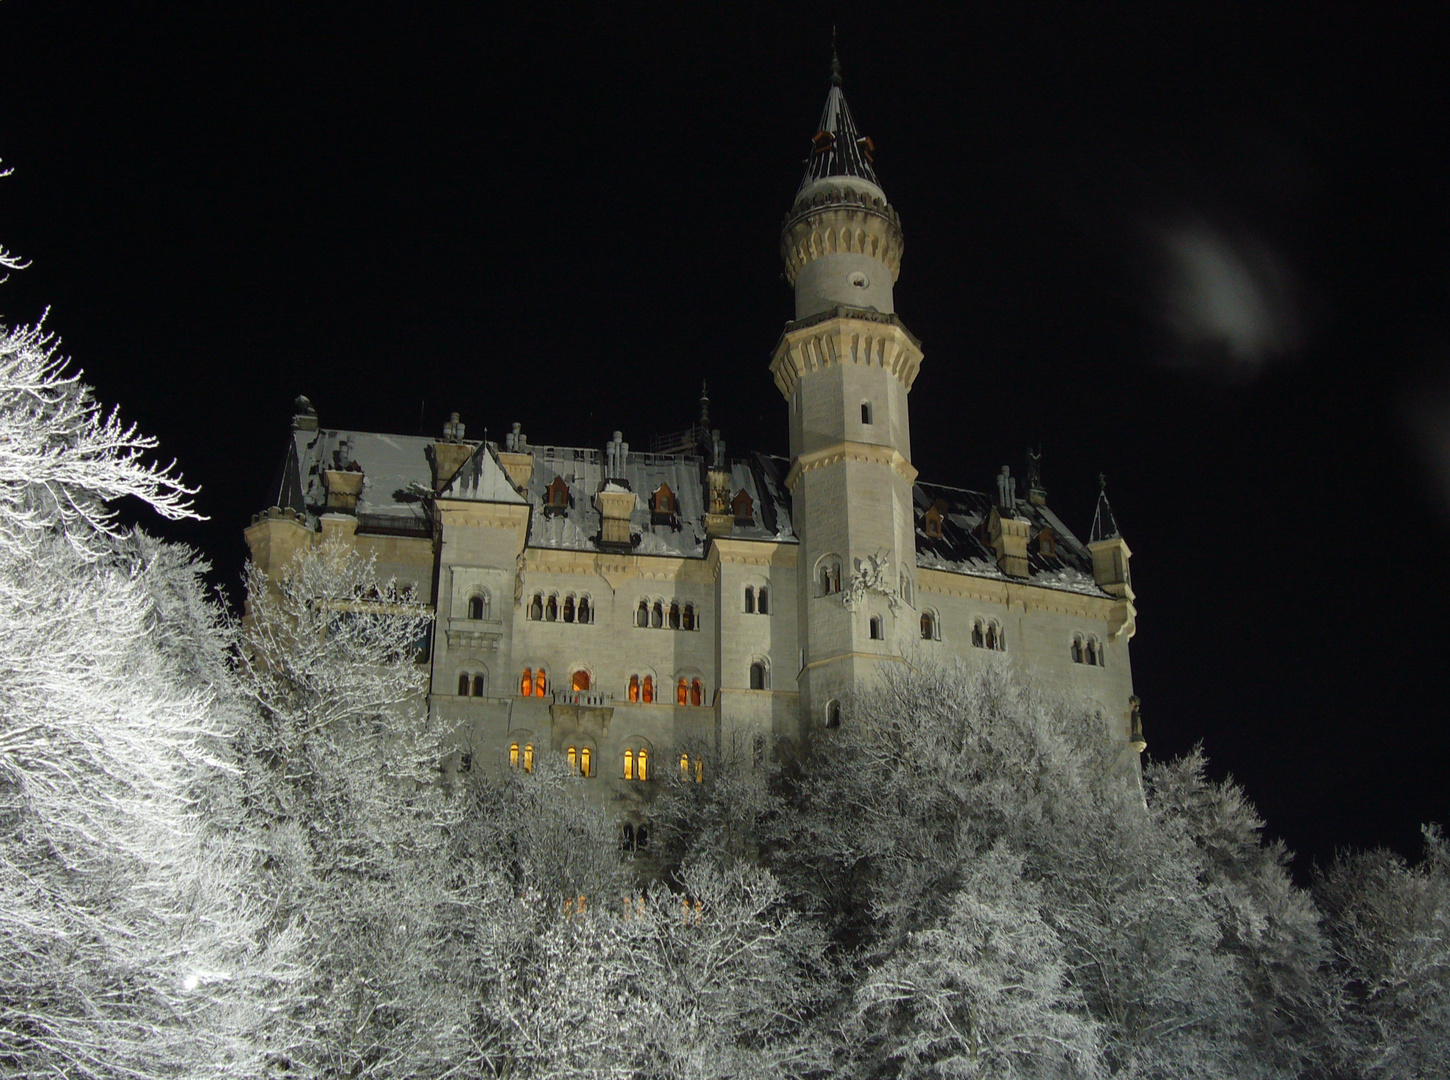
column 1389, row 924
column 133, row 944
column 342, row 776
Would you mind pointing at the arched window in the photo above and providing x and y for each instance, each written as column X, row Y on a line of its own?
column 526, row 684
column 528, row 757
column 1001, row 638
column 682, row 692
column 557, row 494
column 991, row 635
column 657, row 615
column 828, row 577
column 478, row 607
column 757, row 676
column 689, row 617
column 1077, row 650
column 833, row 714
column 573, row 759
column 674, row 616
column 551, row 609
column 977, row 639
column 479, row 685
column 463, row 685
column 1090, row 651
column 648, row 690
column 586, row 610
column 539, row 681
column 569, row 608
column 641, row 834
column 865, row 412
column 579, row 681
column 906, row 587
column 928, row 626
column 684, row 766
column 514, row 756
column 699, row 769
column 536, row 607
column 749, row 600
column 634, row 688
column 1102, row 655
column 628, row 843
column 586, row 761
column 629, row 766
column 877, row 628
column 762, row 602
column 643, row 766
column 697, row 692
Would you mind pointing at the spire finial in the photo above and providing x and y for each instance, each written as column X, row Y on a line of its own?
column 835, row 60
column 1102, row 483
column 704, row 406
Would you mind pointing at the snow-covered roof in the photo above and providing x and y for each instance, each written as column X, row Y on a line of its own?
column 396, row 477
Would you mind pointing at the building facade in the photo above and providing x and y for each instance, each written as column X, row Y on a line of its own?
column 637, row 612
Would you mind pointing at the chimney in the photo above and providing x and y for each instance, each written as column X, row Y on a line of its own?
column 719, row 518
column 615, row 504
column 616, row 458
column 1008, row 536
column 447, row 456
column 516, row 459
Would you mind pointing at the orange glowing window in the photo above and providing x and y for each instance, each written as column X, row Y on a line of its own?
column 539, row 681
column 526, row 684
column 649, row 689
column 697, row 692
column 682, row 692
column 634, row 688
column 580, row 681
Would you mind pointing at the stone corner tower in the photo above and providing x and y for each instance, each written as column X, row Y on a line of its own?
column 845, row 366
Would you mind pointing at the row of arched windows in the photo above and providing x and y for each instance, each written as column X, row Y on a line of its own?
column 581, row 760
column 635, row 761
column 757, row 601
column 674, row 615
column 533, row 683
column 695, row 767
column 987, row 634
column 1088, row 650
column 636, row 764
column 552, row 608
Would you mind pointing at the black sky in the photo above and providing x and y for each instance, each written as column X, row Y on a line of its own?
column 569, row 219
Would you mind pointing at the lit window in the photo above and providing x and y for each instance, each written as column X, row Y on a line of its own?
column 749, row 600
column 539, row 683
column 573, row 759
column 628, row 766
column 580, row 681
column 684, row 766
column 558, row 494
column 763, row 601
column 697, row 692
column 643, row 766
column 699, row 770
column 682, row 692
column 526, row 684
column 757, row 676
column 463, row 685
column 528, row 757
column 514, row 756
column 586, row 762
column 478, row 685
column 634, row 688
column 648, row 690
column 877, row 632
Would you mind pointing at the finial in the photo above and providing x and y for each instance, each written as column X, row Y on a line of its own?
column 704, row 405
column 1102, row 483
column 835, row 60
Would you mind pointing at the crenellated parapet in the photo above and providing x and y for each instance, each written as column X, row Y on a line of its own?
column 841, row 218
column 843, row 336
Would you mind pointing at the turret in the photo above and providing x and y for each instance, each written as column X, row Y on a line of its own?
column 1110, row 563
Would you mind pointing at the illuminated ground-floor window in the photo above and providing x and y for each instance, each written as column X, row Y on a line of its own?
column 522, row 756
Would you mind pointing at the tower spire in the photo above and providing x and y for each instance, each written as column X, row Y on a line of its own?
column 838, row 149
column 1104, row 526
column 835, row 60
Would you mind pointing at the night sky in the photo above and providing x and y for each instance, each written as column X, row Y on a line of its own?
column 1205, row 252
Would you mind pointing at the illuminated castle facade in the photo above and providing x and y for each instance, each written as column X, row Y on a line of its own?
column 636, row 613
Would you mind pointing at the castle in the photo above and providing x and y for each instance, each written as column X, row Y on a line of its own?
column 634, row 612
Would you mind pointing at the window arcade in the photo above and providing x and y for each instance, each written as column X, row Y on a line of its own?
column 533, row 683
column 828, row 575
column 1089, row 649
column 988, row 634
column 521, row 756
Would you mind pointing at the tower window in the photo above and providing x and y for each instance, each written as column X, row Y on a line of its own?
column 634, row 688
column 1091, row 653
column 586, row 761
column 866, row 412
column 674, row 616
column 557, row 494
column 828, row 576
column 877, row 633
column 647, row 690
column 573, row 759
column 763, row 601
column 757, row 676
column 514, row 756
column 684, row 766
column 682, row 692
column 697, row 692
column 539, row 681
column 463, row 685
column 742, row 506
column 628, row 767
column 977, row 639
column 749, row 600
column 1077, row 650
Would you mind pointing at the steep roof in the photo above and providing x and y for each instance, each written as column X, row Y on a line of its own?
column 1104, row 526
column 845, row 153
column 396, row 477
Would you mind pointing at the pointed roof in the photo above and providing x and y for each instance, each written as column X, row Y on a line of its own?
column 1104, row 527
column 838, row 149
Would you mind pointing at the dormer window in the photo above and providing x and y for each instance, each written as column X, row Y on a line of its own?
column 556, row 496
column 663, row 505
column 822, row 141
column 1047, row 542
column 743, row 507
column 931, row 521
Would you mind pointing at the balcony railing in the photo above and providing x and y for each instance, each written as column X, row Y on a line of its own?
column 594, row 698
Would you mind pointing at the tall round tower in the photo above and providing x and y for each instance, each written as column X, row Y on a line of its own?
column 845, row 366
